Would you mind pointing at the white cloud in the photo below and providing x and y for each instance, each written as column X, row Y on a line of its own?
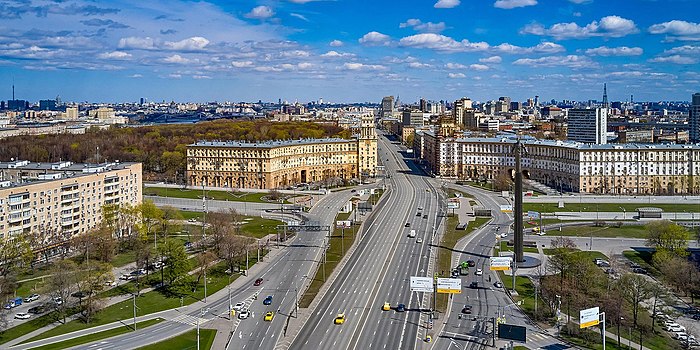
column 137, row 43
column 136, row 76
column 684, row 50
column 580, row 1
column 114, row 55
column 361, row 66
column 176, row 59
column 336, row 54
column 299, row 16
column 511, row 4
column 492, row 59
column 609, row 26
column 456, row 75
column 336, row 43
column 451, row 65
column 375, row 38
column 615, row 51
column 260, row 12
column 200, row 76
column 242, row 64
column 545, row 47
column 675, row 59
column 428, row 27
column 267, row 69
column 175, row 76
column 572, row 61
column 419, row 65
column 677, row 30
column 439, row 42
column 195, row 43
column 446, row 4
column 479, row 67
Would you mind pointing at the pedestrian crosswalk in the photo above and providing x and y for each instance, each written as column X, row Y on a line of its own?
column 189, row 320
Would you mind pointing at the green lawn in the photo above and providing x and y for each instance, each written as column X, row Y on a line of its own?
column 505, row 248
column 449, row 239
column 259, row 227
column 630, row 208
column 337, row 249
column 148, row 303
column 627, row 231
column 27, row 327
column 526, row 294
column 98, row 336
column 122, row 259
column 197, row 194
column 186, row 341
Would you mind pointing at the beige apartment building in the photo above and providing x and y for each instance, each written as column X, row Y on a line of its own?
column 278, row 164
column 625, row 169
column 66, row 199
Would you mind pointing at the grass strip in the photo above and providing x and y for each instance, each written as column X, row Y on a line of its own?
column 97, row 336
column 211, row 194
column 629, row 208
column 186, row 341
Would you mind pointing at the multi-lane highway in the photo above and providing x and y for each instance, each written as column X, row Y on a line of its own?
column 379, row 271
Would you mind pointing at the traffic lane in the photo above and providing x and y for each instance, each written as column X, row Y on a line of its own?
column 326, row 306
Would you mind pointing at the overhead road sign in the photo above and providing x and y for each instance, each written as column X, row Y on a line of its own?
column 497, row 263
column 422, row 284
column 512, row 332
column 449, row 285
column 343, row 224
column 589, row 317
column 507, row 208
column 533, row 214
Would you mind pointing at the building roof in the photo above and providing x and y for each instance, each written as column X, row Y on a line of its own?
column 267, row 144
column 54, row 171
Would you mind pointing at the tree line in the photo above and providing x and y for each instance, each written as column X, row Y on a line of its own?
column 161, row 148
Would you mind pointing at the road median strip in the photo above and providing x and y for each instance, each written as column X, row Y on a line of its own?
column 65, row 344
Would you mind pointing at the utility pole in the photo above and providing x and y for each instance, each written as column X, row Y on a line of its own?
column 134, row 295
column 246, row 260
column 205, row 284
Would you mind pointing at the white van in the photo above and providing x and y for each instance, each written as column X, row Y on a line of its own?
column 412, row 234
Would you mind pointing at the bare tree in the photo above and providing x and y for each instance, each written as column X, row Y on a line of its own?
column 203, row 261
column 232, row 248
column 60, row 284
column 91, row 281
column 635, row 289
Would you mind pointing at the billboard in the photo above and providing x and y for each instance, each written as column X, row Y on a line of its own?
column 343, row 224
column 589, row 317
column 453, row 203
column 449, row 285
column 533, row 214
column 500, row 263
column 512, row 332
column 422, row 284
column 507, row 208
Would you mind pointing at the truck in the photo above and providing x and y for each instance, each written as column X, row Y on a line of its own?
column 412, row 234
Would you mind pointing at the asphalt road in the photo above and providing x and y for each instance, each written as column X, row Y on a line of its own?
column 379, row 271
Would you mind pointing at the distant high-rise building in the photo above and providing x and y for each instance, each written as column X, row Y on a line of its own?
column 141, row 101
column 387, row 108
column 47, row 105
column 516, row 106
column 588, row 125
column 17, row 105
column 423, row 105
column 71, row 113
column 694, row 119
column 605, row 96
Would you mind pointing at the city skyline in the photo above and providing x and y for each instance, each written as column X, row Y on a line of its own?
column 342, row 51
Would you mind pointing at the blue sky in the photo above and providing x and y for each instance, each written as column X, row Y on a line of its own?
column 349, row 50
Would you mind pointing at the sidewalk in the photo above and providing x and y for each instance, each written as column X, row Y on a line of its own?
column 166, row 314
column 611, row 336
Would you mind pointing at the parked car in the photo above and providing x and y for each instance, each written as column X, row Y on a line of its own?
column 639, row 270
column 125, row 277
column 110, row 283
column 79, row 294
column 57, row 300
column 33, row 297
column 22, row 316
column 12, row 303
column 138, row 272
column 40, row 309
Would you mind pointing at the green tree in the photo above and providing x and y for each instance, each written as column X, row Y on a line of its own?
column 150, row 216
column 665, row 235
column 61, row 283
column 91, row 280
column 175, row 259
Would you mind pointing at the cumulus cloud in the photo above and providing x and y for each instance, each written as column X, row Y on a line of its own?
column 260, row 12
column 375, row 38
column 136, row 43
column 479, row 67
column 336, row 54
column 242, row 64
column 176, row 59
column 191, row 44
column 609, row 26
column 451, row 65
column 580, row 1
column 684, row 50
column 114, row 55
column 361, row 66
column 615, row 51
column 677, row 30
column 196, row 43
column 446, row 4
column 572, row 61
column 442, row 43
column 675, row 59
column 419, row 65
column 456, row 75
column 336, row 43
column 545, row 47
column 419, row 26
column 492, row 59
column 511, row 4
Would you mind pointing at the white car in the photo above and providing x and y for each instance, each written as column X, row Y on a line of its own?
column 243, row 314
column 504, row 235
column 110, row 283
column 419, row 240
column 479, row 272
column 125, row 277
column 57, row 300
column 239, row 306
column 22, row 316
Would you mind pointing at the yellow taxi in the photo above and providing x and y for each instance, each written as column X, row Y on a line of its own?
column 269, row 316
column 386, row 307
column 339, row 319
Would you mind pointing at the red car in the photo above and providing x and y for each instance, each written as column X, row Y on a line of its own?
column 258, row 282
